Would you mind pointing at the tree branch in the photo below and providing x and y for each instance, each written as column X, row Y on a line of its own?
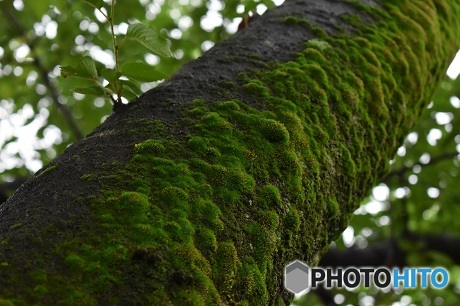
column 199, row 191
column 389, row 253
column 44, row 75
column 433, row 161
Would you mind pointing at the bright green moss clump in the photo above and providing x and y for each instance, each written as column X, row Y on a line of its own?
column 211, row 217
column 149, row 146
column 49, row 169
column 274, row 131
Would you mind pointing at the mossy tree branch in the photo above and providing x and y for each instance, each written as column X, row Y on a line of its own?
column 257, row 153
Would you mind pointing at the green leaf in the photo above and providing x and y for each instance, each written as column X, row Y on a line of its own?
column 110, row 75
column 141, row 72
column 112, row 87
column 60, row 5
column 38, row 7
column 128, row 94
column 132, row 86
column 147, row 37
column 91, row 90
column 85, row 68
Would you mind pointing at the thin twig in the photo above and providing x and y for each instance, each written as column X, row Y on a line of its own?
column 401, row 171
column 56, row 98
column 110, row 18
column 115, row 48
column 114, row 40
column 44, row 75
column 100, row 11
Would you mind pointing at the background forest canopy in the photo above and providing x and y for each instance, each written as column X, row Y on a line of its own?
column 41, row 114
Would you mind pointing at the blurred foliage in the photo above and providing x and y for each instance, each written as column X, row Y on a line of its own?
column 37, row 37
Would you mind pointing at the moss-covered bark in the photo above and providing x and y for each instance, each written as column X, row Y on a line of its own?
column 252, row 156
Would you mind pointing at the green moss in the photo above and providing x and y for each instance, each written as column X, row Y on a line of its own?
column 348, row 163
column 150, row 146
column 291, row 20
column 292, row 221
column 206, row 239
column 226, row 265
column 133, row 204
column 274, row 131
column 79, row 298
column 74, row 261
column 198, row 103
column 48, row 169
column 254, row 284
column 40, row 290
column 229, row 85
column 334, row 207
column 263, row 244
column 214, row 122
column 256, row 87
column 269, row 220
column 306, row 23
column 228, row 106
column 88, row 177
column 38, row 277
column 269, row 196
column 17, row 225
column 198, row 144
column 319, row 44
column 210, row 214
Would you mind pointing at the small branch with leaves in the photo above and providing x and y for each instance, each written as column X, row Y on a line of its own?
column 123, row 80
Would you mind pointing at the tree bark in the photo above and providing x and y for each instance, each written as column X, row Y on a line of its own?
column 255, row 154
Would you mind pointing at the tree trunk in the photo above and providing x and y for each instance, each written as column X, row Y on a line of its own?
column 256, row 154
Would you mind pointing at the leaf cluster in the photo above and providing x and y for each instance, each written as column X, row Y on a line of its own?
column 124, row 80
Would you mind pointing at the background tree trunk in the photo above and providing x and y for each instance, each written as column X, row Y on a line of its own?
column 252, row 156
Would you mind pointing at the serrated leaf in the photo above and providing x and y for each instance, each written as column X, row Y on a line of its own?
column 91, row 90
column 85, row 68
column 142, row 72
column 110, row 75
column 147, row 37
